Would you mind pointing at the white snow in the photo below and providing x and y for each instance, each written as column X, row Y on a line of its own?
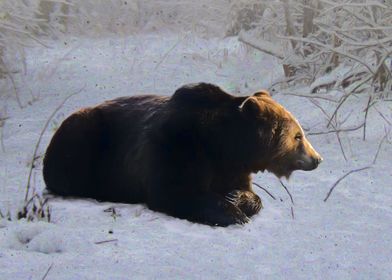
column 347, row 237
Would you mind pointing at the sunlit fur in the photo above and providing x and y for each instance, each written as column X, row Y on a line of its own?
column 190, row 155
column 285, row 127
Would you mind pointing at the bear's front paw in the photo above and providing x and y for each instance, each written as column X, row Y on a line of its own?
column 240, row 217
column 249, row 202
column 222, row 213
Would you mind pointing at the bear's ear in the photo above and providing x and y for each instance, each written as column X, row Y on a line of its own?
column 250, row 106
column 262, row 92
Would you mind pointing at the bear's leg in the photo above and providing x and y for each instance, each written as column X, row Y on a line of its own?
column 247, row 201
column 209, row 208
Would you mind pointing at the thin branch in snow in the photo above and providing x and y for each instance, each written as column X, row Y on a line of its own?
column 2, row 121
column 379, row 147
column 346, row 96
column 363, row 28
column 348, row 4
column 315, row 103
column 286, row 80
column 40, row 138
column 168, row 52
column 263, row 46
column 341, row 146
column 382, row 116
column 47, row 272
column 291, row 197
column 341, row 178
column 11, row 78
column 105, row 241
column 337, row 130
column 365, row 121
column 270, row 194
column 332, row 49
column 311, row 96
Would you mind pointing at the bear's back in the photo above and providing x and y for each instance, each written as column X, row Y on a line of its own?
column 202, row 95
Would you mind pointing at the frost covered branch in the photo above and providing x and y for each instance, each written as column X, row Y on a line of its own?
column 22, row 24
column 329, row 43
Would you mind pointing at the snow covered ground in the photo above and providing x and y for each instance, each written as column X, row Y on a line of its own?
column 347, row 237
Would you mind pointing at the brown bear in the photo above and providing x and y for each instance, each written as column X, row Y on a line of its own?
column 190, row 155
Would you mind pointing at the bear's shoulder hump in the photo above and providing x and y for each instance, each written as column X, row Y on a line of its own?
column 201, row 93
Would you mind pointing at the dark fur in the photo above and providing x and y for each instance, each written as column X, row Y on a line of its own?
column 189, row 156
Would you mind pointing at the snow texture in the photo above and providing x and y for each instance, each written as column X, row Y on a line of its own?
column 347, row 237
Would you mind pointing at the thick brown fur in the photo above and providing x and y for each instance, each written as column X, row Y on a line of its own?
column 190, row 155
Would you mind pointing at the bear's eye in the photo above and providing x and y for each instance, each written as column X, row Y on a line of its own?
column 298, row 137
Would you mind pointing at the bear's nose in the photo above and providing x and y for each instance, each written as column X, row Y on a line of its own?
column 317, row 160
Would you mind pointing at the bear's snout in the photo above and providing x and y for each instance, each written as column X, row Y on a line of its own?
column 309, row 162
column 310, row 158
column 317, row 160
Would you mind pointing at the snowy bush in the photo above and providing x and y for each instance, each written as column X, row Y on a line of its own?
column 244, row 15
column 313, row 38
column 22, row 24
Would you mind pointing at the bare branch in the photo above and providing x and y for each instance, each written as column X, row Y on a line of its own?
column 291, row 197
column 311, row 96
column 273, row 197
column 263, row 46
column 379, row 147
column 11, row 78
column 169, row 51
column 366, row 114
column 347, row 129
column 382, row 116
column 292, row 212
column 332, row 49
column 34, row 157
column 341, row 178
column 105, row 241
column 341, row 146
column 47, row 272
column 343, row 99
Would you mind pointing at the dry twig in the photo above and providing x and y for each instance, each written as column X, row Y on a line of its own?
column 341, row 178
column 382, row 115
column 105, row 241
column 273, row 197
column 366, row 114
column 168, row 52
column 40, row 138
column 379, row 147
column 11, row 78
column 346, row 129
column 2, row 121
column 291, row 197
column 345, row 98
column 47, row 272
column 311, row 96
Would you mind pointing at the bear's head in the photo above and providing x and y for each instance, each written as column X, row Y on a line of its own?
column 280, row 145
